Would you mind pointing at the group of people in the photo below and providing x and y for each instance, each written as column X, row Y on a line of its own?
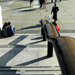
column 11, row 29
column 6, row 24
column 41, row 2
column 8, row 28
column 54, row 10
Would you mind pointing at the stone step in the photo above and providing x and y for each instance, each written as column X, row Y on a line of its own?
column 29, row 74
column 30, row 68
column 37, row 70
column 10, row 74
column 33, row 72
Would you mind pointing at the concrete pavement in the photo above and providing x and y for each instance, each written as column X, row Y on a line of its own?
column 22, row 16
column 26, row 48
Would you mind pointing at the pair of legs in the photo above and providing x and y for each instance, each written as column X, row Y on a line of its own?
column 55, row 16
column 40, row 5
column 44, row 5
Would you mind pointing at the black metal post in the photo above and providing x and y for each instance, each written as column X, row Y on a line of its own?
column 50, row 49
column 41, row 30
column 44, row 38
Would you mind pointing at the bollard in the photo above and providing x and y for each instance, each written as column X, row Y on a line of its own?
column 44, row 39
column 41, row 30
column 50, row 49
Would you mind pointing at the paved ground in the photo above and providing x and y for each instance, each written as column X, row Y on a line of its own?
column 26, row 19
column 26, row 48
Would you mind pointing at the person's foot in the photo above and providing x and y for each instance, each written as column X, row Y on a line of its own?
column 30, row 5
column 40, row 7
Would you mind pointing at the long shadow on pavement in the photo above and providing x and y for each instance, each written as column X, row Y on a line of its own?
column 20, row 8
column 30, row 27
column 37, row 38
column 13, row 52
column 33, row 61
column 28, row 10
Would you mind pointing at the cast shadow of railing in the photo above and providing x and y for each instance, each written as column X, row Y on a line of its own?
column 30, row 27
column 33, row 61
column 37, row 38
column 13, row 52
column 16, row 49
column 29, row 10
column 20, row 8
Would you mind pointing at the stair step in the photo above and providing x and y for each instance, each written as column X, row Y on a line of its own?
column 29, row 74
column 29, row 71
column 10, row 72
column 31, row 68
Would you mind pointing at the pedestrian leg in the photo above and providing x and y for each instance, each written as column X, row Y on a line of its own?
column 30, row 3
column 40, row 5
column 55, row 1
column 51, row 1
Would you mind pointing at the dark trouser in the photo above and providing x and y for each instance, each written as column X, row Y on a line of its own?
column 51, row 1
column 55, row 0
column 40, row 5
column 55, row 16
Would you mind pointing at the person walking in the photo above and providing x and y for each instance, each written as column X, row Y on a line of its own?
column 41, row 3
column 44, row 4
column 54, row 10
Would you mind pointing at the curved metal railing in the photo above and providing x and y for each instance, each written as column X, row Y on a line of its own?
column 64, row 47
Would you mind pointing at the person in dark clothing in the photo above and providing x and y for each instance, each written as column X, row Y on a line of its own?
column 31, row 2
column 11, row 29
column 41, row 3
column 5, row 24
column 54, row 10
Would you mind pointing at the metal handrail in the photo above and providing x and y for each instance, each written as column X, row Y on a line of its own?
column 53, row 42
column 58, row 54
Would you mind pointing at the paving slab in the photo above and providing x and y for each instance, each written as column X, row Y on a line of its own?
column 26, row 48
column 21, row 9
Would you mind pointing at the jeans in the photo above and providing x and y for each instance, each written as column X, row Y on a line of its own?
column 55, row 0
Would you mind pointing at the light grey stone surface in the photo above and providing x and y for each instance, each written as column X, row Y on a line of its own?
column 26, row 48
